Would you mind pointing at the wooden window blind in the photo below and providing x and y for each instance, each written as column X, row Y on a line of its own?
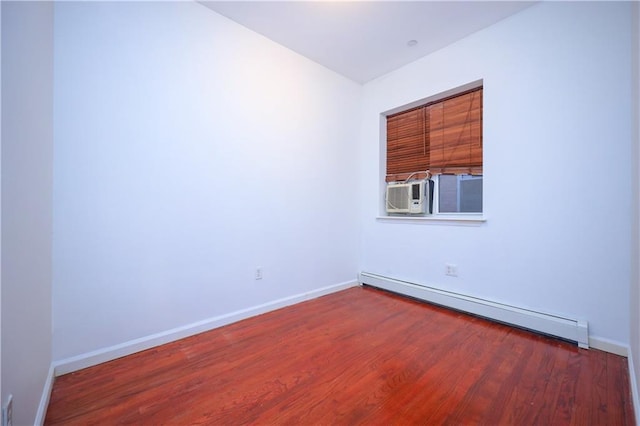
column 443, row 137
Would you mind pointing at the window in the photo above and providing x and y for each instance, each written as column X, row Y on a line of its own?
column 460, row 194
column 443, row 139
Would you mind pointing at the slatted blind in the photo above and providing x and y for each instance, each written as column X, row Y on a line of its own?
column 444, row 137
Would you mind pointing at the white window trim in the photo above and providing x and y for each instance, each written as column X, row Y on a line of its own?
column 463, row 219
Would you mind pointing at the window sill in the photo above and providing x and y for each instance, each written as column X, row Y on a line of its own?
column 463, row 220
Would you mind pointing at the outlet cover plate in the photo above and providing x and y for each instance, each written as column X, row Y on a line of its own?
column 451, row 270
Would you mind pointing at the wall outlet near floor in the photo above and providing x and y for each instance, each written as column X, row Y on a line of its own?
column 7, row 412
column 450, row 269
column 258, row 275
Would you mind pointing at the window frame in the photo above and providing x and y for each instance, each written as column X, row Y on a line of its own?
column 437, row 216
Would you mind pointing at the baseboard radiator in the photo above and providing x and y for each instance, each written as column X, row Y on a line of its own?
column 565, row 328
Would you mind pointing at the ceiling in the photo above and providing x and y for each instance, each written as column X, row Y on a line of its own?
column 363, row 40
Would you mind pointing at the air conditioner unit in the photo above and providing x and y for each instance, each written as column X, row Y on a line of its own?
column 412, row 198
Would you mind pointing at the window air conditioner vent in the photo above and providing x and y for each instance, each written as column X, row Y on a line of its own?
column 409, row 198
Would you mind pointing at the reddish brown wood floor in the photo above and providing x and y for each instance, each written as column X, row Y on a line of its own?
column 361, row 356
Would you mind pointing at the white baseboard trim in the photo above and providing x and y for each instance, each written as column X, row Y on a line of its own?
column 633, row 383
column 634, row 388
column 568, row 328
column 44, row 399
column 608, row 345
column 99, row 356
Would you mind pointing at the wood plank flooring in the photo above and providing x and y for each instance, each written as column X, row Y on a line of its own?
column 360, row 356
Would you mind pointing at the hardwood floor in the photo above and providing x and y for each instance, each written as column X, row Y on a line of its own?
column 360, row 356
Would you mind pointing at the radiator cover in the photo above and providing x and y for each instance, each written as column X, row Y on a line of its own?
column 566, row 328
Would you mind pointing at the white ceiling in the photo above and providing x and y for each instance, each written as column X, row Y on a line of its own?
column 363, row 40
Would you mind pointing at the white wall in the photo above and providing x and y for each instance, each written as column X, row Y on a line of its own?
column 557, row 144
column 2, row 401
column 27, row 146
column 634, row 298
column 189, row 151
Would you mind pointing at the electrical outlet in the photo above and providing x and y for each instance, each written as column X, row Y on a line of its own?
column 7, row 412
column 450, row 270
column 258, row 275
